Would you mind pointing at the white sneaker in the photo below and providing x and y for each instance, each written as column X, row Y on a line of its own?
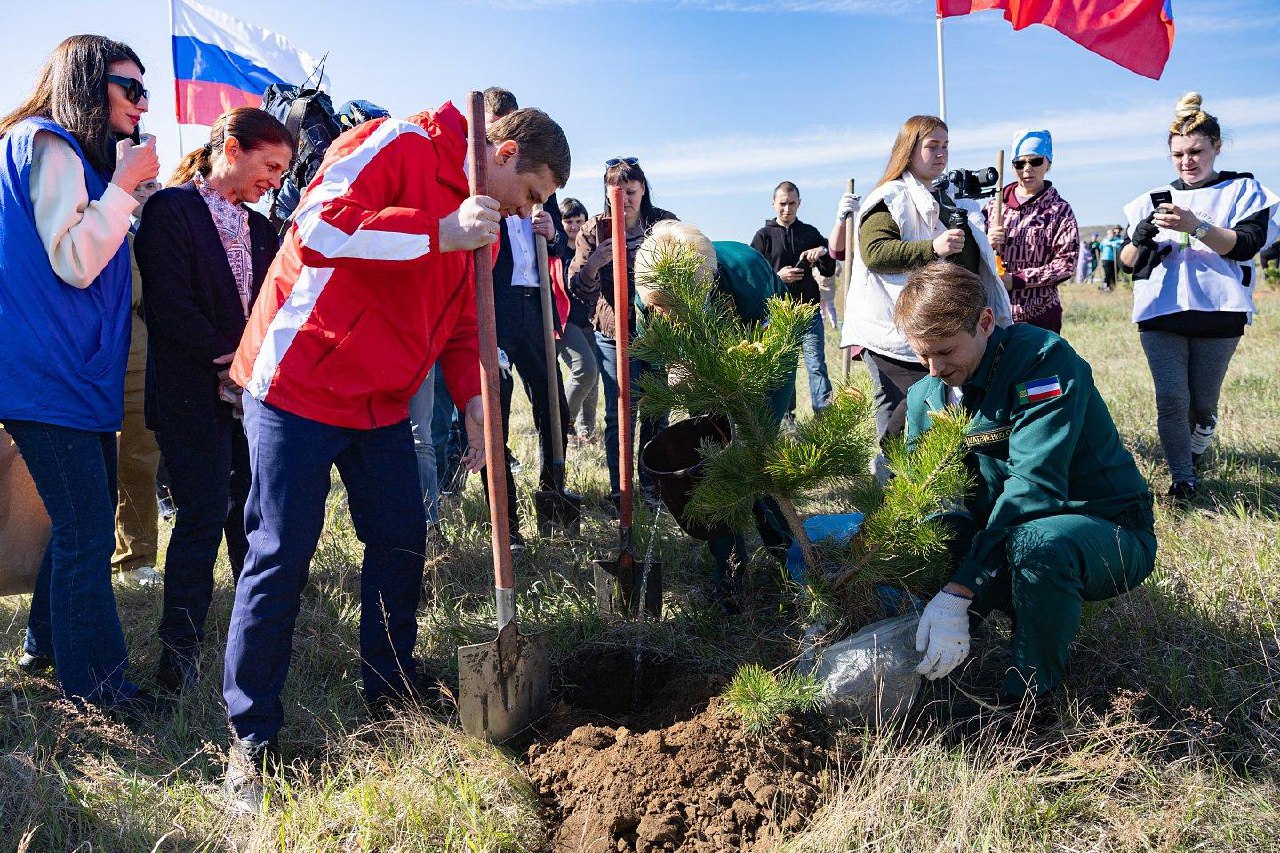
column 143, row 577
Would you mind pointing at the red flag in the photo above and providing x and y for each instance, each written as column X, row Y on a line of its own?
column 1135, row 34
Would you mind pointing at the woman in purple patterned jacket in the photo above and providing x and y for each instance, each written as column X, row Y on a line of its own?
column 1038, row 238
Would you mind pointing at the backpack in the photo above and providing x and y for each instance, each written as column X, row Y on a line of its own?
column 309, row 116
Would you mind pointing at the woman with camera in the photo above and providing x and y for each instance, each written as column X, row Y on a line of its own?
column 203, row 255
column 1192, row 247
column 69, row 171
column 591, row 281
column 1037, row 237
column 907, row 221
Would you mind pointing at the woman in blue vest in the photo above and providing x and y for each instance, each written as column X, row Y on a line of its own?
column 67, row 173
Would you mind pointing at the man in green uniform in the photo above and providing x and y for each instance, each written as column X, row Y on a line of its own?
column 1060, row 514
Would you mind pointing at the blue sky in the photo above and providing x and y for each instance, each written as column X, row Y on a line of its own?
column 721, row 99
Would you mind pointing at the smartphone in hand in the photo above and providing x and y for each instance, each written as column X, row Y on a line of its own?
column 1160, row 197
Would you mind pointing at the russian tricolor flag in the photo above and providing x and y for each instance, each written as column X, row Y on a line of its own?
column 221, row 62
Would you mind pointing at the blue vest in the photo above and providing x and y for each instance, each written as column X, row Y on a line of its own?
column 63, row 350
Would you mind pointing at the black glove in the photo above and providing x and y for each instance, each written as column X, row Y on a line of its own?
column 1148, row 260
column 1144, row 233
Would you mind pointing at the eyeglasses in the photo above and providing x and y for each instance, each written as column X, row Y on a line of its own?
column 618, row 161
column 133, row 91
column 1033, row 162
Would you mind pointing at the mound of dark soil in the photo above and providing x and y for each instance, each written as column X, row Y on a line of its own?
column 695, row 781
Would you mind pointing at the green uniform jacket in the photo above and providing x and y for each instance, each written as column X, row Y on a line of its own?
column 748, row 279
column 1041, row 443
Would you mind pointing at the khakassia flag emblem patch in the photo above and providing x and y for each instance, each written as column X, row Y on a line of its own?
column 1039, row 389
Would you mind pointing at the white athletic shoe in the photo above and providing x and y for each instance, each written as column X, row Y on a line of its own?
column 143, row 577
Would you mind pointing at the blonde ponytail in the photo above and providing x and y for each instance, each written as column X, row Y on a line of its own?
column 1189, row 118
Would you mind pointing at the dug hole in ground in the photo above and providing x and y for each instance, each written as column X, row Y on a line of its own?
column 646, row 759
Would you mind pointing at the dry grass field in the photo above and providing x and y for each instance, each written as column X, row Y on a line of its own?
column 1169, row 741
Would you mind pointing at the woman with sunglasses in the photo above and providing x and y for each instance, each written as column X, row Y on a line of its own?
column 591, row 280
column 203, row 255
column 1193, row 242
column 906, row 222
column 1038, row 238
column 66, row 195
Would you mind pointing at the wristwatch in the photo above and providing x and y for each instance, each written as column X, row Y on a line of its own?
column 1201, row 230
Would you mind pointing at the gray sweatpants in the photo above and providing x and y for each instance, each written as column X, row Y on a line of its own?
column 582, row 387
column 1188, row 374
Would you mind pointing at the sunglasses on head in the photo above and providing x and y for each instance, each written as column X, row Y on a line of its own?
column 1033, row 162
column 133, row 91
column 618, row 161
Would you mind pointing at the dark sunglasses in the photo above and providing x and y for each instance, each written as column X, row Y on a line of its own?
column 618, row 161
column 1033, row 162
column 133, row 91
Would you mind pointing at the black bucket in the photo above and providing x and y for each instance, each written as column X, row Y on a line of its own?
column 675, row 464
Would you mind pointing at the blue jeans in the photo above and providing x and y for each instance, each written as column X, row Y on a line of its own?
column 422, row 408
column 815, row 362
column 73, row 615
column 649, row 427
column 291, row 458
column 210, row 484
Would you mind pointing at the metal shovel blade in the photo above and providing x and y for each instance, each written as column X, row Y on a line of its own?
column 618, row 586
column 559, row 509
column 502, row 685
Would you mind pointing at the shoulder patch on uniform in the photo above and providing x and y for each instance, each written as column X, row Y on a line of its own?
column 981, row 439
column 1039, row 389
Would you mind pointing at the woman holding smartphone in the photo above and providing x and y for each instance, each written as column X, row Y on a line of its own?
column 591, row 281
column 1192, row 247
column 68, row 170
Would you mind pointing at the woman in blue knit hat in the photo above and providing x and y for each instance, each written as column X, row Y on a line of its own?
column 1037, row 237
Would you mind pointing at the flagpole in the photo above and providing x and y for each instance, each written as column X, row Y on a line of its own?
column 942, row 73
column 173, row 54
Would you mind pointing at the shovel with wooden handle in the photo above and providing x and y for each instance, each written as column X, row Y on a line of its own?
column 502, row 685
column 622, row 581
column 553, row 506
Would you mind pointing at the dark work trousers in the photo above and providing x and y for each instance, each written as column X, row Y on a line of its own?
column 1052, row 566
column 209, row 482
column 729, row 553
column 291, row 457
column 518, row 312
column 890, row 378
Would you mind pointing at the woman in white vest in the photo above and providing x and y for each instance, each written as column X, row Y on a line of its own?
column 1192, row 257
column 904, row 224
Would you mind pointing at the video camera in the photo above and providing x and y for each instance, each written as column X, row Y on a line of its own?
column 963, row 183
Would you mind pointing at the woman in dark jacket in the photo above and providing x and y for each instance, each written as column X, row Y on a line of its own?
column 591, row 281
column 203, row 256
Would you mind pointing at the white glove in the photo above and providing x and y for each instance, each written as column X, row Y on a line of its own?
column 848, row 206
column 943, row 635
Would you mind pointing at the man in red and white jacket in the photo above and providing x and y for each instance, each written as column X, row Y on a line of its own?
column 373, row 285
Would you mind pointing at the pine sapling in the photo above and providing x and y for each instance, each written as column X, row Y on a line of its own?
column 717, row 364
